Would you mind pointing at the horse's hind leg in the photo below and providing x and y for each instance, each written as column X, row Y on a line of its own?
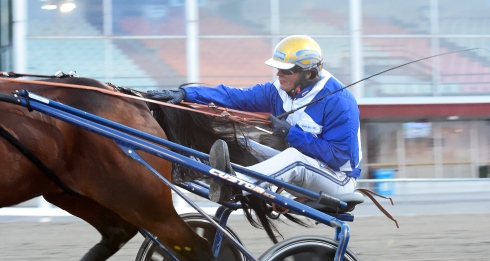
column 114, row 230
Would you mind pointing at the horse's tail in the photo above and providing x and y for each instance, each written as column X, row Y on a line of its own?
column 263, row 213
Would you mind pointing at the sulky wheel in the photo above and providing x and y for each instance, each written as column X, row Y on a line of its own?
column 310, row 248
column 149, row 251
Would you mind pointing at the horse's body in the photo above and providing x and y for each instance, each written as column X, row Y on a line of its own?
column 113, row 193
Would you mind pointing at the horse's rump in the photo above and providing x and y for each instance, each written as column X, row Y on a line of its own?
column 65, row 148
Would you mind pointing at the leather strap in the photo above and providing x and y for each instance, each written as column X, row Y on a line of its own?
column 245, row 116
column 224, row 112
column 369, row 194
column 366, row 192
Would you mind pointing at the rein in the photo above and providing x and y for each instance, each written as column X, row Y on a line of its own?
column 371, row 76
column 246, row 118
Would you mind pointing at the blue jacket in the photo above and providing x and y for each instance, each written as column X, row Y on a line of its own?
column 327, row 130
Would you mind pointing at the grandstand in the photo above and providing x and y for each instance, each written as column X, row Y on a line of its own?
column 460, row 73
column 238, row 62
column 90, row 56
column 229, row 55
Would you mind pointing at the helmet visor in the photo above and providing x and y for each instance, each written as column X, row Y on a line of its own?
column 279, row 65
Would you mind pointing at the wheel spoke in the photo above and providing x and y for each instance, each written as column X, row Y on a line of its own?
column 305, row 248
column 229, row 252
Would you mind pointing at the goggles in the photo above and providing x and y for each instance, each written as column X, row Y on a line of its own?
column 289, row 71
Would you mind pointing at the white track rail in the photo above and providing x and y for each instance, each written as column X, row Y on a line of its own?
column 405, row 191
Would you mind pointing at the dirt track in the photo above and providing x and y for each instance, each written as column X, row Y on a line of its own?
column 448, row 237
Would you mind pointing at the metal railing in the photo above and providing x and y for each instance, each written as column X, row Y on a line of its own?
column 411, row 197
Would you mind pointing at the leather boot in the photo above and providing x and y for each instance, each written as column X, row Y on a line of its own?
column 219, row 158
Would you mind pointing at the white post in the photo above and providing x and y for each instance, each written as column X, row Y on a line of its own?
column 355, row 14
column 107, row 16
column 474, row 149
column 19, row 35
column 107, row 23
column 400, row 152
column 275, row 29
column 438, row 166
column 434, row 31
column 192, row 42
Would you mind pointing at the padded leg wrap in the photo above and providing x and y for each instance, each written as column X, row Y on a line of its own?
column 98, row 253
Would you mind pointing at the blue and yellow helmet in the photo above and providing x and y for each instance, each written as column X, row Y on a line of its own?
column 297, row 50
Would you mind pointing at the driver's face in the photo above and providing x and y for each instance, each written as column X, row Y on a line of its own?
column 287, row 79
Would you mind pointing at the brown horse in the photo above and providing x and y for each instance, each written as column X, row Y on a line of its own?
column 91, row 176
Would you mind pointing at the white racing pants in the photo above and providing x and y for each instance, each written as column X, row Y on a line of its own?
column 294, row 167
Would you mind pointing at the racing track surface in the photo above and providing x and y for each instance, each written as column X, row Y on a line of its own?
column 437, row 237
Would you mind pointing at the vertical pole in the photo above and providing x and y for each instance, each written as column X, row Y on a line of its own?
column 400, row 151
column 365, row 151
column 275, row 30
column 434, row 31
column 438, row 167
column 192, row 42
column 107, row 29
column 107, row 9
column 355, row 14
column 19, row 35
column 474, row 149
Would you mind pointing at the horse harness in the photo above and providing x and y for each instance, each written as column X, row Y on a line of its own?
column 246, row 118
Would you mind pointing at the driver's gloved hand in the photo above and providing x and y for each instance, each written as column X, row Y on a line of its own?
column 279, row 127
column 171, row 96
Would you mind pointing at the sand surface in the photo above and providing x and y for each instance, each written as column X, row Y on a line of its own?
column 437, row 237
